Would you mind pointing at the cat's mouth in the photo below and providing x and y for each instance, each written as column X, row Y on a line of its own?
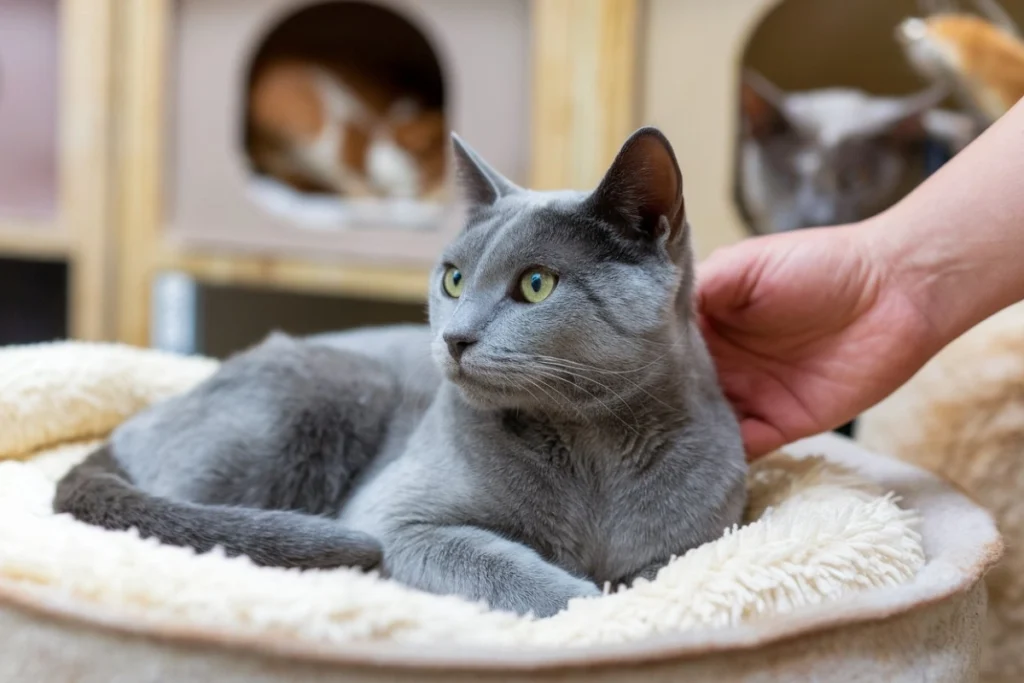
column 480, row 378
column 483, row 388
column 475, row 374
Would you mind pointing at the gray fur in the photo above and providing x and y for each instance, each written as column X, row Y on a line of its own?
column 826, row 157
column 577, row 441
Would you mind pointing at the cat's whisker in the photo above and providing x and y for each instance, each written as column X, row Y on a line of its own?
column 670, row 346
column 568, row 365
column 565, row 400
column 590, row 368
column 549, row 391
column 578, row 376
column 635, row 384
column 598, row 399
column 527, row 390
column 583, row 366
column 559, row 398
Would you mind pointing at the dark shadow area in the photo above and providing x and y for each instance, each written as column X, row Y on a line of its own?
column 33, row 301
column 232, row 319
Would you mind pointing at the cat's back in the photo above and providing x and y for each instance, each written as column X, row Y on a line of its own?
column 282, row 394
column 992, row 58
column 284, row 404
column 405, row 349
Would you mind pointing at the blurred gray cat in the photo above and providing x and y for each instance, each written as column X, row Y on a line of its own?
column 569, row 432
column 833, row 156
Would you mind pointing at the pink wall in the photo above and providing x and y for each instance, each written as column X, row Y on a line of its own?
column 28, row 107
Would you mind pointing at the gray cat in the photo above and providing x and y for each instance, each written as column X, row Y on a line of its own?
column 832, row 156
column 557, row 426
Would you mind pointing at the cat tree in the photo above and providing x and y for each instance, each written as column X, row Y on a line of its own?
column 520, row 83
column 55, row 107
column 548, row 89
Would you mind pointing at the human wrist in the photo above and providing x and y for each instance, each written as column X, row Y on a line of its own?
column 954, row 278
column 915, row 270
column 954, row 247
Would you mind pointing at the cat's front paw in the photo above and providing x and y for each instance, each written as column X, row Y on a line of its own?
column 546, row 599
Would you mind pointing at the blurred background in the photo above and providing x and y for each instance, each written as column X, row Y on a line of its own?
column 192, row 174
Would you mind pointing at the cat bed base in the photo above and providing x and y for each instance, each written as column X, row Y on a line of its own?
column 862, row 610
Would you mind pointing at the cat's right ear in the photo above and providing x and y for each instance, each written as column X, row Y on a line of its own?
column 761, row 105
column 481, row 185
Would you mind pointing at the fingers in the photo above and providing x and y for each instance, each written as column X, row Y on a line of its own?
column 760, row 438
column 726, row 280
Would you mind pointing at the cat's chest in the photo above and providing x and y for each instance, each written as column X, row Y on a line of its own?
column 580, row 501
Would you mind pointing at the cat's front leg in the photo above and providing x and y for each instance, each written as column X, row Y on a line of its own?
column 480, row 565
column 650, row 572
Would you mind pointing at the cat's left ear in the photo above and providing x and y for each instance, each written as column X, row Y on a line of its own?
column 907, row 124
column 761, row 105
column 642, row 192
column 481, row 185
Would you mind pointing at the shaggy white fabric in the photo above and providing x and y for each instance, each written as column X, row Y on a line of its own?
column 817, row 533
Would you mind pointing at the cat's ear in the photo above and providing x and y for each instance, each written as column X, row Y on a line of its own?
column 907, row 123
column 998, row 15
column 761, row 105
column 481, row 185
column 642, row 192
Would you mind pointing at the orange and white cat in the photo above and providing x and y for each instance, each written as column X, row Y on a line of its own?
column 333, row 128
column 983, row 60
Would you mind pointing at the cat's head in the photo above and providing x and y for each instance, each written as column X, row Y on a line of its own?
column 826, row 157
column 980, row 60
column 406, row 153
column 565, row 300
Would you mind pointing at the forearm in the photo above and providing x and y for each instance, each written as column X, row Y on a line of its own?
column 956, row 244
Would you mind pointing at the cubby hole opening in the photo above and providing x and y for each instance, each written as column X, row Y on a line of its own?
column 345, row 120
column 803, row 46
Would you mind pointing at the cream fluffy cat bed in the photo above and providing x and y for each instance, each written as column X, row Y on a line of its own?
column 851, row 567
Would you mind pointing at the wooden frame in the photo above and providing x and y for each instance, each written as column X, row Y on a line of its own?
column 579, row 120
column 27, row 239
column 80, row 233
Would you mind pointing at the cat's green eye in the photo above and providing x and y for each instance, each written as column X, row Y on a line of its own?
column 453, row 282
column 536, row 284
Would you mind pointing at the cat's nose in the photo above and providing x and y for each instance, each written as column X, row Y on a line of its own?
column 458, row 342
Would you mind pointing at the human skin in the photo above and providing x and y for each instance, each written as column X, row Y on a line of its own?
column 810, row 328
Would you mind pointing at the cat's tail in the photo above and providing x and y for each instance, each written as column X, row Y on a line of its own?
column 99, row 492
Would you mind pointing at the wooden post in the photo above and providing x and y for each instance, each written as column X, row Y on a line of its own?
column 584, row 88
column 142, row 78
column 85, row 168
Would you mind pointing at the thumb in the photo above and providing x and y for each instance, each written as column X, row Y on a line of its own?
column 726, row 280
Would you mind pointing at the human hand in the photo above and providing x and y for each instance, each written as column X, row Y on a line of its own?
column 809, row 328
